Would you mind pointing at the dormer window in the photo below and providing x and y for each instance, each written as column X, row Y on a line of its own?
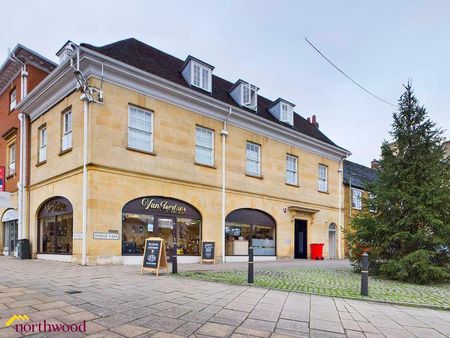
column 197, row 73
column 245, row 94
column 283, row 111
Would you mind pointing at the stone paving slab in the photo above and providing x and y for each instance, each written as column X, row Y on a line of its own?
column 116, row 301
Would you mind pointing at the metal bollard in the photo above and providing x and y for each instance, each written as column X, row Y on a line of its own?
column 365, row 274
column 250, row 265
column 174, row 259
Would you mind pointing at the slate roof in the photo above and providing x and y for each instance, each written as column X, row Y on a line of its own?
column 360, row 175
column 140, row 55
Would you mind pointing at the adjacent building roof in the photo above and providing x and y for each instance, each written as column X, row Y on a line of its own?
column 140, row 55
column 10, row 69
column 358, row 175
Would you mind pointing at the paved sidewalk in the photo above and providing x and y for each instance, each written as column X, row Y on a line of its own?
column 116, row 301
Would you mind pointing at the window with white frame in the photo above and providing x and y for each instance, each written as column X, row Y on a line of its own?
column 12, row 159
column 287, row 113
column 12, row 99
column 253, row 159
column 140, row 129
column 42, row 144
column 67, row 131
column 323, row 178
column 291, row 169
column 249, row 95
column 201, row 76
column 357, row 199
column 372, row 202
column 204, row 146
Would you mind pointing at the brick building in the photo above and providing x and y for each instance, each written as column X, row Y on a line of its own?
column 19, row 74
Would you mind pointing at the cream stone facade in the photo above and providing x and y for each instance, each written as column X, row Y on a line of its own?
column 117, row 174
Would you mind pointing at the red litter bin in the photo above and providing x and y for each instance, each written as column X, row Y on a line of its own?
column 317, row 250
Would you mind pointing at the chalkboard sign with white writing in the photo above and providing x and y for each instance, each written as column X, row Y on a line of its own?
column 208, row 251
column 152, row 253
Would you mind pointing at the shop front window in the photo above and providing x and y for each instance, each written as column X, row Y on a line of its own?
column 56, row 227
column 155, row 216
column 245, row 227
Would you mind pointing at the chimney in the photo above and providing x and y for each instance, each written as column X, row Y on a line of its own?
column 309, row 119
column 314, row 122
column 374, row 164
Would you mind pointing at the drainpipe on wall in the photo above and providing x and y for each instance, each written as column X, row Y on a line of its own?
column 224, row 134
column 340, row 174
column 84, row 98
column 22, row 154
column 20, row 183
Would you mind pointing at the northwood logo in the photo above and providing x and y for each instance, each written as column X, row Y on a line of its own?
column 16, row 317
column 43, row 326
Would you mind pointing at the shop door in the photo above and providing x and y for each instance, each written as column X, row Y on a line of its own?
column 301, row 240
column 12, row 237
column 165, row 228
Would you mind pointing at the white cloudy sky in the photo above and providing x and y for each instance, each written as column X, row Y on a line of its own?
column 381, row 44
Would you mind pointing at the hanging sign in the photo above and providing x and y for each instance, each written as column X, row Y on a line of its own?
column 155, row 257
column 2, row 178
column 208, row 251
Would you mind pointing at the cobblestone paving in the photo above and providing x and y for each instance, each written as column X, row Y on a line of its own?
column 116, row 301
column 330, row 278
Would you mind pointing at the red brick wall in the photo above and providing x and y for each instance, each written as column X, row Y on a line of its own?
column 10, row 119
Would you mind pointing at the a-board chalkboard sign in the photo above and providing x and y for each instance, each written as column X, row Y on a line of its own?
column 154, row 255
column 208, row 250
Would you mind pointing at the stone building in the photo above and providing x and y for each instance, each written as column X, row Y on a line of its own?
column 141, row 143
column 356, row 179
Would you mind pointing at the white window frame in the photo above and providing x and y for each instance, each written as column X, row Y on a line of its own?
column 203, row 70
column 252, row 99
column 66, row 140
column 293, row 171
column 371, row 198
column 357, row 196
column 12, row 159
column 42, row 153
column 323, row 180
column 151, row 149
column 12, row 103
column 199, row 129
column 257, row 161
column 286, row 113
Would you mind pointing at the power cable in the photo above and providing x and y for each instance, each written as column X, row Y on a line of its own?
column 348, row 77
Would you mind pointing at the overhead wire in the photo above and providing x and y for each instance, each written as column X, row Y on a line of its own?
column 348, row 77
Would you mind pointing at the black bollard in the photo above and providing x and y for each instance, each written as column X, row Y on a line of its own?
column 174, row 259
column 365, row 274
column 250, row 265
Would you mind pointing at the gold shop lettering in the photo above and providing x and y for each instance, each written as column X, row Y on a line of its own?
column 163, row 205
column 55, row 206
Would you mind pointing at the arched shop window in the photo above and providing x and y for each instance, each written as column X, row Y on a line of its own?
column 157, row 216
column 55, row 227
column 250, row 226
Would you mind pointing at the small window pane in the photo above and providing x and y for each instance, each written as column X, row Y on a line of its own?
column 140, row 129
column 43, row 145
column 357, row 199
column 12, row 100
column 253, row 159
column 12, row 159
column 204, row 146
column 196, row 75
column 323, row 178
column 205, row 79
column 291, row 169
